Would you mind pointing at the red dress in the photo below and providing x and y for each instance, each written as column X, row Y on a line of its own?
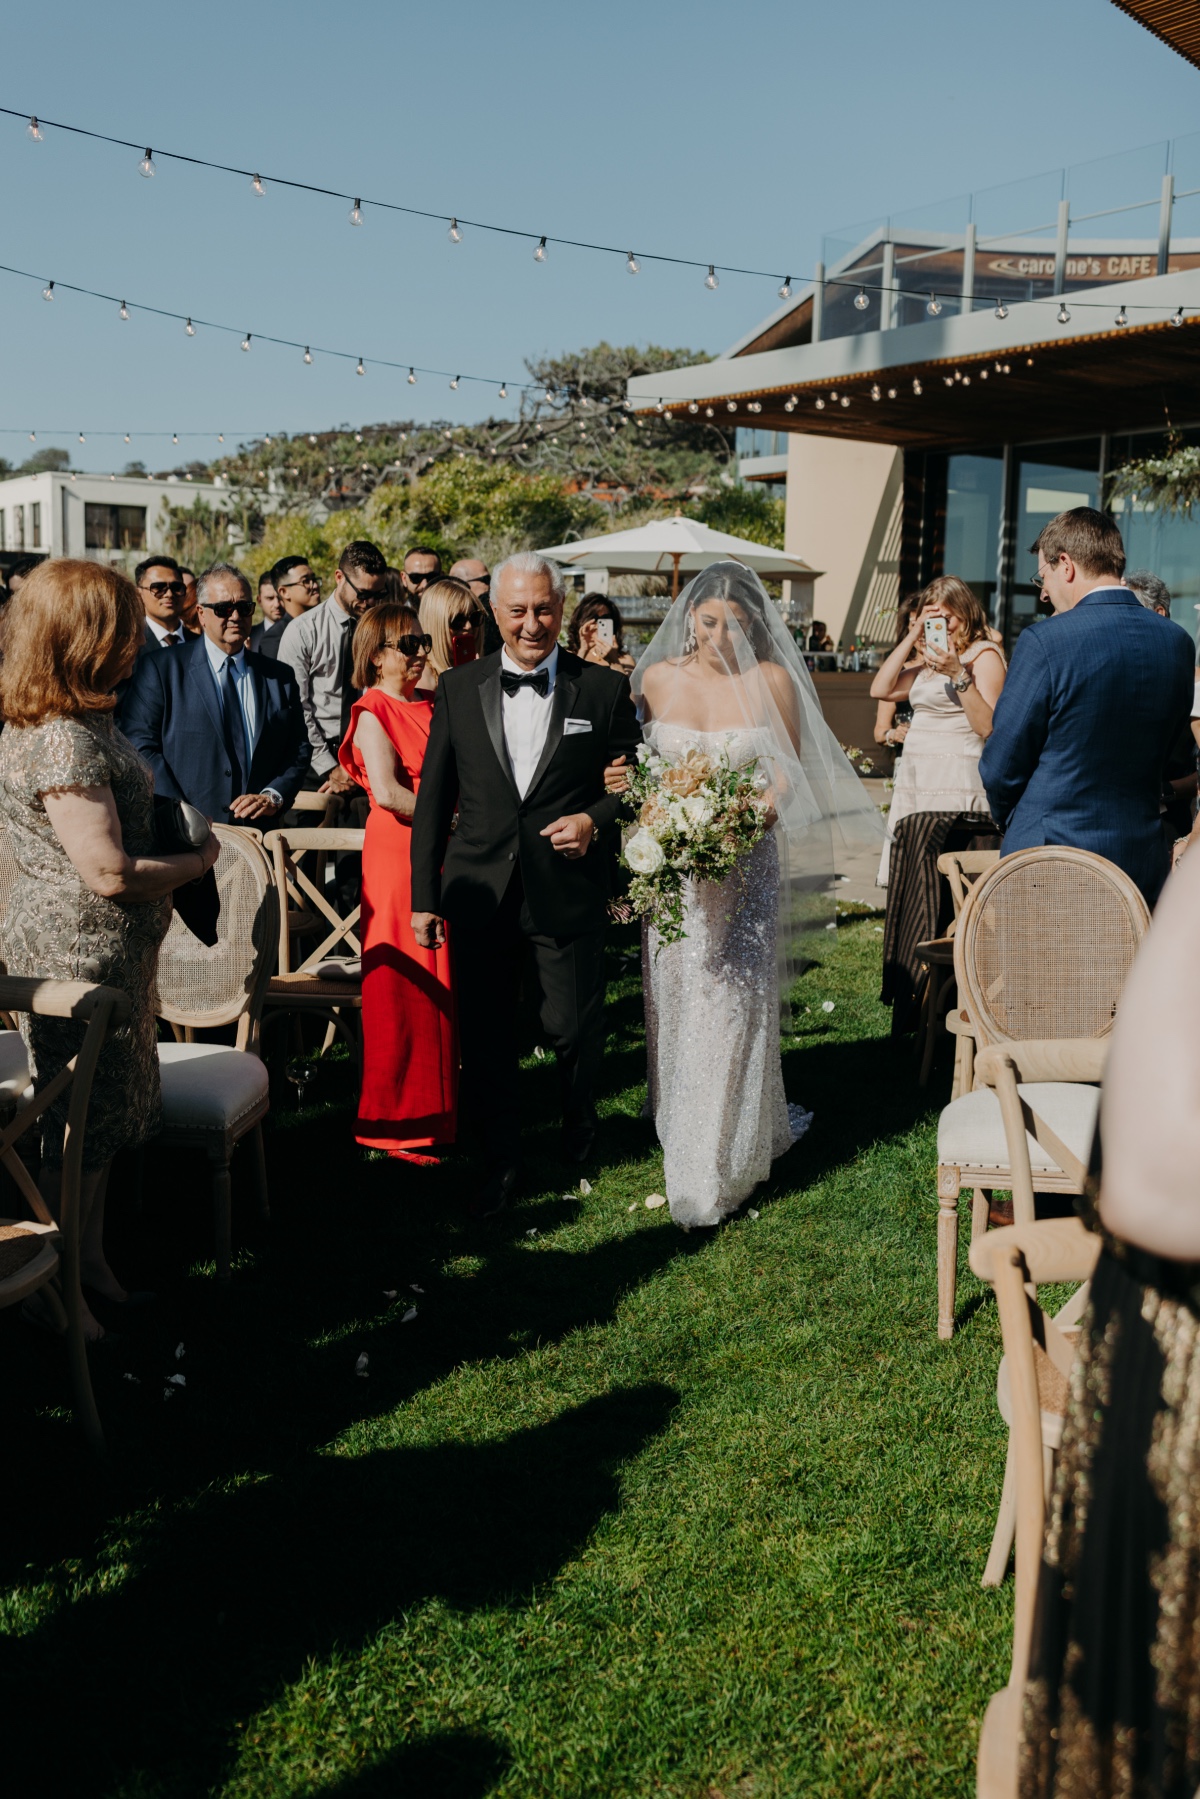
column 410, row 1044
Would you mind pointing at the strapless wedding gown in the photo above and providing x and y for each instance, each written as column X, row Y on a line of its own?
column 712, row 1021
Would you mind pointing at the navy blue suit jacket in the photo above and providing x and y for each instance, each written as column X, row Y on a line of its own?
column 1094, row 700
column 172, row 716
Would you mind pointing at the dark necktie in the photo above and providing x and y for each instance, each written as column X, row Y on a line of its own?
column 168, row 643
column 235, row 729
column 539, row 682
column 346, row 685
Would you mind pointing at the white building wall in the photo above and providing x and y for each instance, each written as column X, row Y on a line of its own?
column 47, row 513
column 842, row 498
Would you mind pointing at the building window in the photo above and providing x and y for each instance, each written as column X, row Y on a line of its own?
column 1050, row 478
column 974, row 502
column 18, row 527
column 35, row 519
column 114, row 527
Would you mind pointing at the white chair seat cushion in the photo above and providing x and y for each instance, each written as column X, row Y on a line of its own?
column 14, row 1069
column 971, row 1130
column 207, row 1087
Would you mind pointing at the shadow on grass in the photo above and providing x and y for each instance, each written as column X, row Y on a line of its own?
column 230, row 1597
column 452, row 1765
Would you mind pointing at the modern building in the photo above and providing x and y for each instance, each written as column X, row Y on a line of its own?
column 102, row 518
column 951, row 379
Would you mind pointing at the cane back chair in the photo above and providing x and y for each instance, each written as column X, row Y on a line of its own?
column 961, row 868
column 1041, row 953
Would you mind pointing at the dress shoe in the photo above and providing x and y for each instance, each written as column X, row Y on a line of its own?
column 578, row 1142
column 1000, row 1213
column 496, row 1192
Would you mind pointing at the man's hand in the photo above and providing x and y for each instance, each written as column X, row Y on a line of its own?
column 429, row 930
column 616, row 776
column 338, row 781
column 572, row 835
column 254, row 805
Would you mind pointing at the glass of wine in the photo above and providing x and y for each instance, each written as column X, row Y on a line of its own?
column 300, row 1072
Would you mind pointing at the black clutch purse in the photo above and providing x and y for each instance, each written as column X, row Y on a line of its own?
column 179, row 828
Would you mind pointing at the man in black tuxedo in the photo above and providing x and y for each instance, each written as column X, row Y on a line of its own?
column 220, row 726
column 519, row 743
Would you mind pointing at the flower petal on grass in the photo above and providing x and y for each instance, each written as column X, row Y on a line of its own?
column 413, row 1287
column 532, row 1231
column 752, row 1213
column 389, row 1292
column 539, row 1054
column 177, row 1380
column 409, row 1315
column 827, row 1005
column 360, row 1367
column 654, row 1200
column 585, row 1188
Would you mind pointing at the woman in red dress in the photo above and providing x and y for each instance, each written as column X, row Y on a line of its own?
column 410, row 1048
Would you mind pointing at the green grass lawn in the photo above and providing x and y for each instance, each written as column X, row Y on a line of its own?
column 621, row 1511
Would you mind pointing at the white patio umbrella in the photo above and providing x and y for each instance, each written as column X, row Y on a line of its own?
column 680, row 544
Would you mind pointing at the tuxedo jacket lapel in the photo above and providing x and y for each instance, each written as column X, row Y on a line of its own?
column 489, row 700
column 561, row 700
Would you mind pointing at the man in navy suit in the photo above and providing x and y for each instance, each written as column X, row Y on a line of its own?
column 220, row 726
column 1094, row 700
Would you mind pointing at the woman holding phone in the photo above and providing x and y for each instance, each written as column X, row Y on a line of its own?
column 595, row 633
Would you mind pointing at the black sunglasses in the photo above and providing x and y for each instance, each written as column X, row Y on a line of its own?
column 411, row 644
column 160, row 589
column 226, row 608
column 422, row 580
column 370, row 594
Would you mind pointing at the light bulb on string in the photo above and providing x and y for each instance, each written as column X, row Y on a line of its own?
column 632, row 264
column 35, row 130
column 731, row 405
column 127, row 437
column 220, row 437
column 819, row 403
column 1001, row 310
column 539, row 254
column 891, row 393
column 356, row 213
column 123, row 311
column 33, row 437
column 256, row 187
column 861, row 301
column 966, row 380
column 454, row 233
column 307, row 355
column 246, row 341
column 189, row 328
column 503, row 394
column 1063, row 316
column 1177, row 316
column 790, row 404
column 693, row 407
column 949, row 380
column 933, row 306
column 756, row 405
column 1122, row 317
column 833, row 393
column 917, row 388
column 708, row 412
column 412, row 379
column 785, row 289
column 710, row 280
column 876, row 391
column 454, row 383
column 82, row 438
column 359, row 369
column 48, row 291
column 175, row 437
column 845, row 401
column 983, row 374
column 146, row 166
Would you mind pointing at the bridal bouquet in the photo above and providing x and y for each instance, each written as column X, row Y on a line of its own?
column 696, row 818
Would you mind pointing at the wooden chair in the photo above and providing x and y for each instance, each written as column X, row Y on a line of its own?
column 299, row 989
column 38, row 1253
column 214, row 1094
column 1036, row 1368
column 1041, row 952
column 961, row 869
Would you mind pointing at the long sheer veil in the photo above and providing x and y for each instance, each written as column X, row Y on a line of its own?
column 766, row 706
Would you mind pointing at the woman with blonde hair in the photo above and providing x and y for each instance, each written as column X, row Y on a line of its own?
column 91, row 901
column 452, row 618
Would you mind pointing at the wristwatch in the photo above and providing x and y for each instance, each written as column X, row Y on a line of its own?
column 963, row 682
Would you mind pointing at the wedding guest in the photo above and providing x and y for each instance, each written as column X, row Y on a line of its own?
column 1151, row 590
column 475, row 573
column 893, row 717
column 818, row 637
column 190, row 615
column 453, row 621
column 586, row 637
column 298, row 587
column 1113, row 1690
column 163, row 592
column 218, row 725
column 271, row 607
column 1096, row 696
column 408, row 1100
column 421, row 569
column 20, row 572
column 91, row 897
column 318, row 648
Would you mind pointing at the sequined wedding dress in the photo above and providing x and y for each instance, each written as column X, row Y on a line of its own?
column 712, row 1020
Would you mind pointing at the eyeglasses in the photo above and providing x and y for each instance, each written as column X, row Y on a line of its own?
column 410, row 645
column 226, row 608
column 309, row 580
column 361, row 593
column 1040, row 579
column 160, row 589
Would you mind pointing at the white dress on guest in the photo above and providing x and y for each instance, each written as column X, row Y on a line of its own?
column 939, row 767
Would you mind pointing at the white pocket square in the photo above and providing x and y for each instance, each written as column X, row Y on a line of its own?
column 573, row 726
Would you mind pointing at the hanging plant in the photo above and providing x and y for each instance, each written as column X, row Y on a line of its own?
column 1169, row 483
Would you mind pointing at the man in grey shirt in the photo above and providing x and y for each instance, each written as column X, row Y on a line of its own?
column 318, row 648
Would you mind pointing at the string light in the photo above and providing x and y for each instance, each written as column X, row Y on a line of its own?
column 146, row 166
column 33, row 437
column 1001, row 310
column 123, row 312
column 189, row 328
column 791, row 404
column 503, row 394
column 710, row 280
column 127, row 437
column 933, row 306
column 220, row 437
column 454, row 383
column 48, row 291
column 731, row 405
column 454, row 233
column 876, row 392
column 308, row 355
column 693, row 407
column 1177, row 316
column 891, row 393
column 359, row 369
column 246, row 341
column 1122, row 317
column 861, row 301
column 756, row 405
column 412, row 379
column 539, row 254
column 917, row 388
column 175, row 437
column 785, row 291
column 35, row 130
column 356, row 213
column 845, row 400
column 631, row 263
column 1062, row 315
column 819, row 403
column 82, row 438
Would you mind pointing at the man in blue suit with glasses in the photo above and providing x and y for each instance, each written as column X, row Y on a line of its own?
column 1095, row 698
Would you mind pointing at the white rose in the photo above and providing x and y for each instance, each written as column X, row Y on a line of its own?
column 697, row 811
column 643, row 752
column 678, row 815
column 643, row 853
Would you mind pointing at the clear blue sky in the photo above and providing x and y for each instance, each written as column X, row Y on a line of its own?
column 737, row 132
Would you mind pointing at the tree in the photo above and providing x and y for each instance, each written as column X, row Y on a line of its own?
column 41, row 461
column 742, row 512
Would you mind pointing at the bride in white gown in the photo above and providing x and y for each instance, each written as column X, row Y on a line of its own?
column 723, row 675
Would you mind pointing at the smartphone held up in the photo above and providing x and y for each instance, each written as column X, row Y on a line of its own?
column 935, row 635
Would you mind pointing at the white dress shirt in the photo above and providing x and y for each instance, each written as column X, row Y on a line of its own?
column 248, row 699
column 163, row 635
column 526, row 718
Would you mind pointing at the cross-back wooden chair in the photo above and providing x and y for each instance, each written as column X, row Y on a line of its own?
column 214, row 1094
column 297, row 987
column 1042, row 949
column 1038, row 1353
column 42, row 1254
column 962, row 868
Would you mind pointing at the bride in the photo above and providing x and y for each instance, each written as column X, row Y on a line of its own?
column 723, row 675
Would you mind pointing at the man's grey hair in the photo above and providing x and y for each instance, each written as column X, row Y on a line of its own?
column 222, row 568
column 1149, row 588
column 529, row 562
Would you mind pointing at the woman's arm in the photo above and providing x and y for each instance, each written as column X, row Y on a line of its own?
column 86, row 824
column 783, row 691
column 894, row 680
column 380, row 760
column 987, row 671
column 886, row 728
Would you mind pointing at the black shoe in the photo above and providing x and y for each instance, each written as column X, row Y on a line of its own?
column 496, row 1192
column 578, row 1142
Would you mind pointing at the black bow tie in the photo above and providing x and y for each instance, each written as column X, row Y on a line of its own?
column 539, row 682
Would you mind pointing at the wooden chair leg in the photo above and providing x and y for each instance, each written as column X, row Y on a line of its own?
column 223, row 1221
column 947, row 1265
column 929, row 1010
column 260, row 1171
column 1006, row 1527
column 979, row 1213
column 962, row 1068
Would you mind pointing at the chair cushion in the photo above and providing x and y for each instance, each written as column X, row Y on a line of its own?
column 971, row 1130
column 14, row 1069
column 207, row 1087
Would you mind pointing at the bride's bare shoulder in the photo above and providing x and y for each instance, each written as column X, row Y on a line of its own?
column 658, row 675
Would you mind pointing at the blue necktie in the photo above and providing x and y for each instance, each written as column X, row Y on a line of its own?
column 235, row 728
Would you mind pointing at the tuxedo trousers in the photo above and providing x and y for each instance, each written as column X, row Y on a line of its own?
column 490, row 961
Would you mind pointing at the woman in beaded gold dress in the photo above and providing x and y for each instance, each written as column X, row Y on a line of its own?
column 91, row 898
column 1112, row 1706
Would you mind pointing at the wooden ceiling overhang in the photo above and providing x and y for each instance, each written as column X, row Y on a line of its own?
column 1176, row 22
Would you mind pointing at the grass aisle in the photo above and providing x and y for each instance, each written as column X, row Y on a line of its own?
column 620, row 1511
